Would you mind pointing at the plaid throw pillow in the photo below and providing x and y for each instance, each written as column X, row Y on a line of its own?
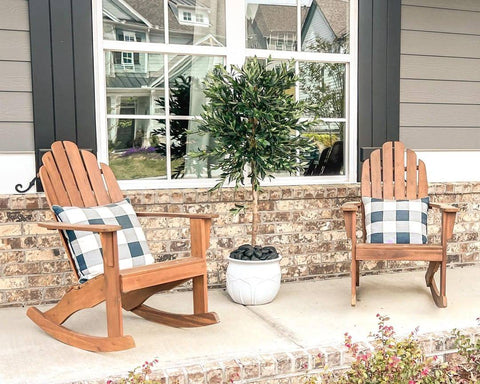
column 396, row 221
column 86, row 247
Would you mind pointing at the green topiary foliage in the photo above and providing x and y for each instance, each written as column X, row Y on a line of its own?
column 254, row 123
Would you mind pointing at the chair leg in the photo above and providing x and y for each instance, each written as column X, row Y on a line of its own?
column 439, row 296
column 353, row 271
column 200, row 294
column 358, row 273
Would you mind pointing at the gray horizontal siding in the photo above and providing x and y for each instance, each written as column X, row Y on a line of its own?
column 439, row 115
column 440, row 44
column 439, row 68
column 468, row 5
column 14, row 15
column 16, row 106
column 440, row 74
column 14, row 45
column 19, row 133
column 15, row 76
column 440, row 20
column 16, row 109
column 439, row 92
column 465, row 138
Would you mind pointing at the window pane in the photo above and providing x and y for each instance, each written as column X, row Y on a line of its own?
column 327, row 159
column 138, row 89
column 194, row 22
column 138, row 20
column 271, row 26
column 184, row 141
column 186, row 74
column 323, row 85
column 135, row 148
column 325, row 26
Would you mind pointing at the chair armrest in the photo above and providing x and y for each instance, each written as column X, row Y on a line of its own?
column 444, row 207
column 448, row 219
column 350, row 210
column 100, row 228
column 351, row 206
column 181, row 215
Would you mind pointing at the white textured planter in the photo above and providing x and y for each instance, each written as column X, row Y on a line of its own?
column 253, row 282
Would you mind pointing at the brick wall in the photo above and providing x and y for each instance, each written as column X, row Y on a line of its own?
column 304, row 223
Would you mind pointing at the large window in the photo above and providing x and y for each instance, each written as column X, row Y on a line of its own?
column 157, row 53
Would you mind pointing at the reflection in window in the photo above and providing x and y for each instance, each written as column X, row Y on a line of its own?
column 325, row 26
column 327, row 158
column 143, row 94
column 323, row 85
column 190, row 22
column 271, row 26
column 132, row 147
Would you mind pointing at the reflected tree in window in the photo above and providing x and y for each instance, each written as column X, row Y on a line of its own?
column 179, row 105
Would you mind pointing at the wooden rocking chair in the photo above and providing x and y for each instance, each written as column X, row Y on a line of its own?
column 393, row 173
column 73, row 178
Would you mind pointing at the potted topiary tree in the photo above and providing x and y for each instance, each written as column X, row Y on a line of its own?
column 254, row 124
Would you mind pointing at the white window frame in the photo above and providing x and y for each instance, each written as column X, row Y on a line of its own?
column 234, row 53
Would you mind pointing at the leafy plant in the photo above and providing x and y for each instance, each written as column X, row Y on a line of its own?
column 139, row 375
column 392, row 360
column 254, row 123
column 468, row 368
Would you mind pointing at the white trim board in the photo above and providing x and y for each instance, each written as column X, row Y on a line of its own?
column 16, row 168
column 451, row 166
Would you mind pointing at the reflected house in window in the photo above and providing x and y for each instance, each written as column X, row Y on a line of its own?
column 273, row 24
column 136, row 81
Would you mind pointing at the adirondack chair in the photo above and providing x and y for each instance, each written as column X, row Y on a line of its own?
column 73, row 178
column 394, row 173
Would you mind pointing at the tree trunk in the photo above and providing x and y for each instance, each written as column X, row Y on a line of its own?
column 255, row 216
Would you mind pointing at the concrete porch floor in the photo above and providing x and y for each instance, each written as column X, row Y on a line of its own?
column 304, row 314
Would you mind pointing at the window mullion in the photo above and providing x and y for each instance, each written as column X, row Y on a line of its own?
column 167, row 120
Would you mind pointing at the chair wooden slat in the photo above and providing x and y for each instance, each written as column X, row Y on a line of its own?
column 63, row 163
column 399, row 171
column 366, row 182
column 55, row 180
column 376, row 174
column 95, row 177
column 387, row 170
column 50, row 194
column 81, row 177
column 114, row 190
column 422, row 180
column 411, row 175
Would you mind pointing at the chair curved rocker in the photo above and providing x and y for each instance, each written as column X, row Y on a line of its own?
column 394, row 173
column 72, row 177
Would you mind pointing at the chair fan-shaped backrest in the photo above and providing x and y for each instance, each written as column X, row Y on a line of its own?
column 73, row 177
column 394, row 173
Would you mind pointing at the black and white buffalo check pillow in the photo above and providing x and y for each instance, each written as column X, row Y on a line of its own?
column 86, row 247
column 396, row 221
